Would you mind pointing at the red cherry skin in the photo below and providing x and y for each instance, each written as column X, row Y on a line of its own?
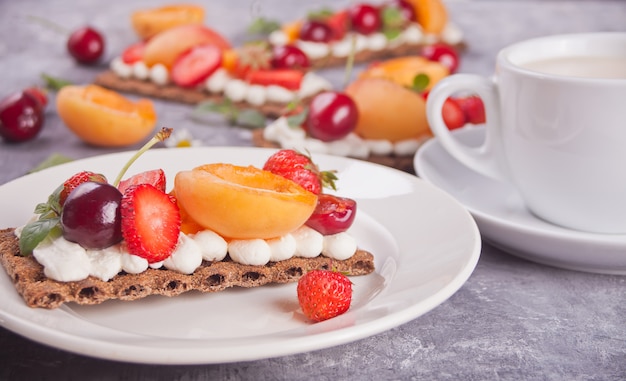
column 332, row 115
column 289, row 57
column 406, row 9
column 332, row 214
column 365, row 18
column 444, row 54
column 86, row 45
column 21, row 117
column 316, row 31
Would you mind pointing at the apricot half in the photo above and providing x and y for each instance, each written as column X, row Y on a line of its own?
column 402, row 70
column 167, row 46
column 243, row 202
column 150, row 22
column 432, row 15
column 103, row 117
column 388, row 111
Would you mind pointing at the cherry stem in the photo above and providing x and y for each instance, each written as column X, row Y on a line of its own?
column 160, row 136
column 49, row 24
column 350, row 62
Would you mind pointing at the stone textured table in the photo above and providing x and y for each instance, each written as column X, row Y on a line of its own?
column 512, row 320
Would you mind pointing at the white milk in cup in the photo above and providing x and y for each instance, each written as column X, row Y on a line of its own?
column 556, row 127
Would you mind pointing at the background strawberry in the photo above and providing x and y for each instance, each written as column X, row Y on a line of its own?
column 150, row 222
column 155, row 177
column 324, row 294
column 81, row 177
column 299, row 168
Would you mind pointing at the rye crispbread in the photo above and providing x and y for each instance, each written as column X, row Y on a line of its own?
column 39, row 291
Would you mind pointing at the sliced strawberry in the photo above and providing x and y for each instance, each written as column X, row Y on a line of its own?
column 338, row 23
column 473, row 108
column 81, row 177
column 300, row 169
column 453, row 115
column 287, row 78
column 150, row 222
column 134, row 53
column 196, row 65
column 155, row 177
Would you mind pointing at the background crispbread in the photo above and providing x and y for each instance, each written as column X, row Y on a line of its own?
column 39, row 291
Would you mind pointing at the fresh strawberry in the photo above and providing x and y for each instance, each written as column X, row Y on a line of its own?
column 40, row 94
column 338, row 23
column 81, row 177
column 150, row 222
column 287, row 78
column 134, row 53
column 324, row 294
column 155, row 177
column 299, row 168
column 453, row 115
column 473, row 108
column 196, row 65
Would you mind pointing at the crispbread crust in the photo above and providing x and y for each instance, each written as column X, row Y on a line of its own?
column 403, row 163
column 39, row 291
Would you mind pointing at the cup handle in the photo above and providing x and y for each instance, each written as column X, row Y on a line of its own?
column 486, row 158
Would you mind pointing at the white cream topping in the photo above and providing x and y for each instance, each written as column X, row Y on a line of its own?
column 66, row 261
column 220, row 82
column 288, row 137
column 413, row 35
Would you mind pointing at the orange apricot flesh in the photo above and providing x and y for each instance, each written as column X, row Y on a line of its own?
column 402, row 70
column 243, row 202
column 149, row 22
column 104, row 117
column 167, row 46
column 388, row 111
column 432, row 15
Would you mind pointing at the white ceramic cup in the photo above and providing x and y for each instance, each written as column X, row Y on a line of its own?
column 559, row 139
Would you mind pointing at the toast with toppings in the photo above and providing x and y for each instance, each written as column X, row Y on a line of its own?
column 37, row 290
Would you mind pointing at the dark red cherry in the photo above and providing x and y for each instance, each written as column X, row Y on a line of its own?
column 86, row 45
column 444, row 54
column 365, row 18
column 91, row 215
column 289, row 57
column 21, row 117
column 332, row 115
column 332, row 214
column 316, row 31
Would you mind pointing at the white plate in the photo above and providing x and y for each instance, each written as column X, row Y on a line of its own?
column 425, row 243
column 505, row 222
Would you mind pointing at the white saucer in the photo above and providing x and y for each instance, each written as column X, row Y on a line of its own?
column 505, row 222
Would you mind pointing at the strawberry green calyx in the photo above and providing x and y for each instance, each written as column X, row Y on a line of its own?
column 328, row 179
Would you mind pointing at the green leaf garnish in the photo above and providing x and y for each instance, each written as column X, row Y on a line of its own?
column 320, row 14
column 47, row 224
column 296, row 120
column 420, row 82
column 248, row 118
column 393, row 21
column 263, row 26
column 54, row 83
column 51, row 161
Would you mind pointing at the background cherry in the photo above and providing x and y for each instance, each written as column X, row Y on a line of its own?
column 86, row 45
column 316, row 31
column 442, row 53
column 365, row 18
column 289, row 57
column 332, row 115
column 21, row 117
column 406, row 9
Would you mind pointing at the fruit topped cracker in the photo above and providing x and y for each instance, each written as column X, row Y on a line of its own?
column 219, row 226
column 179, row 58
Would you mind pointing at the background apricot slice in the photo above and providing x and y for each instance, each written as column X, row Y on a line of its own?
column 243, row 202
column 388, row 111
column 167, row 46
column 402, row 70
column 149, row 22
column 103, row 117
column 432, row 15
